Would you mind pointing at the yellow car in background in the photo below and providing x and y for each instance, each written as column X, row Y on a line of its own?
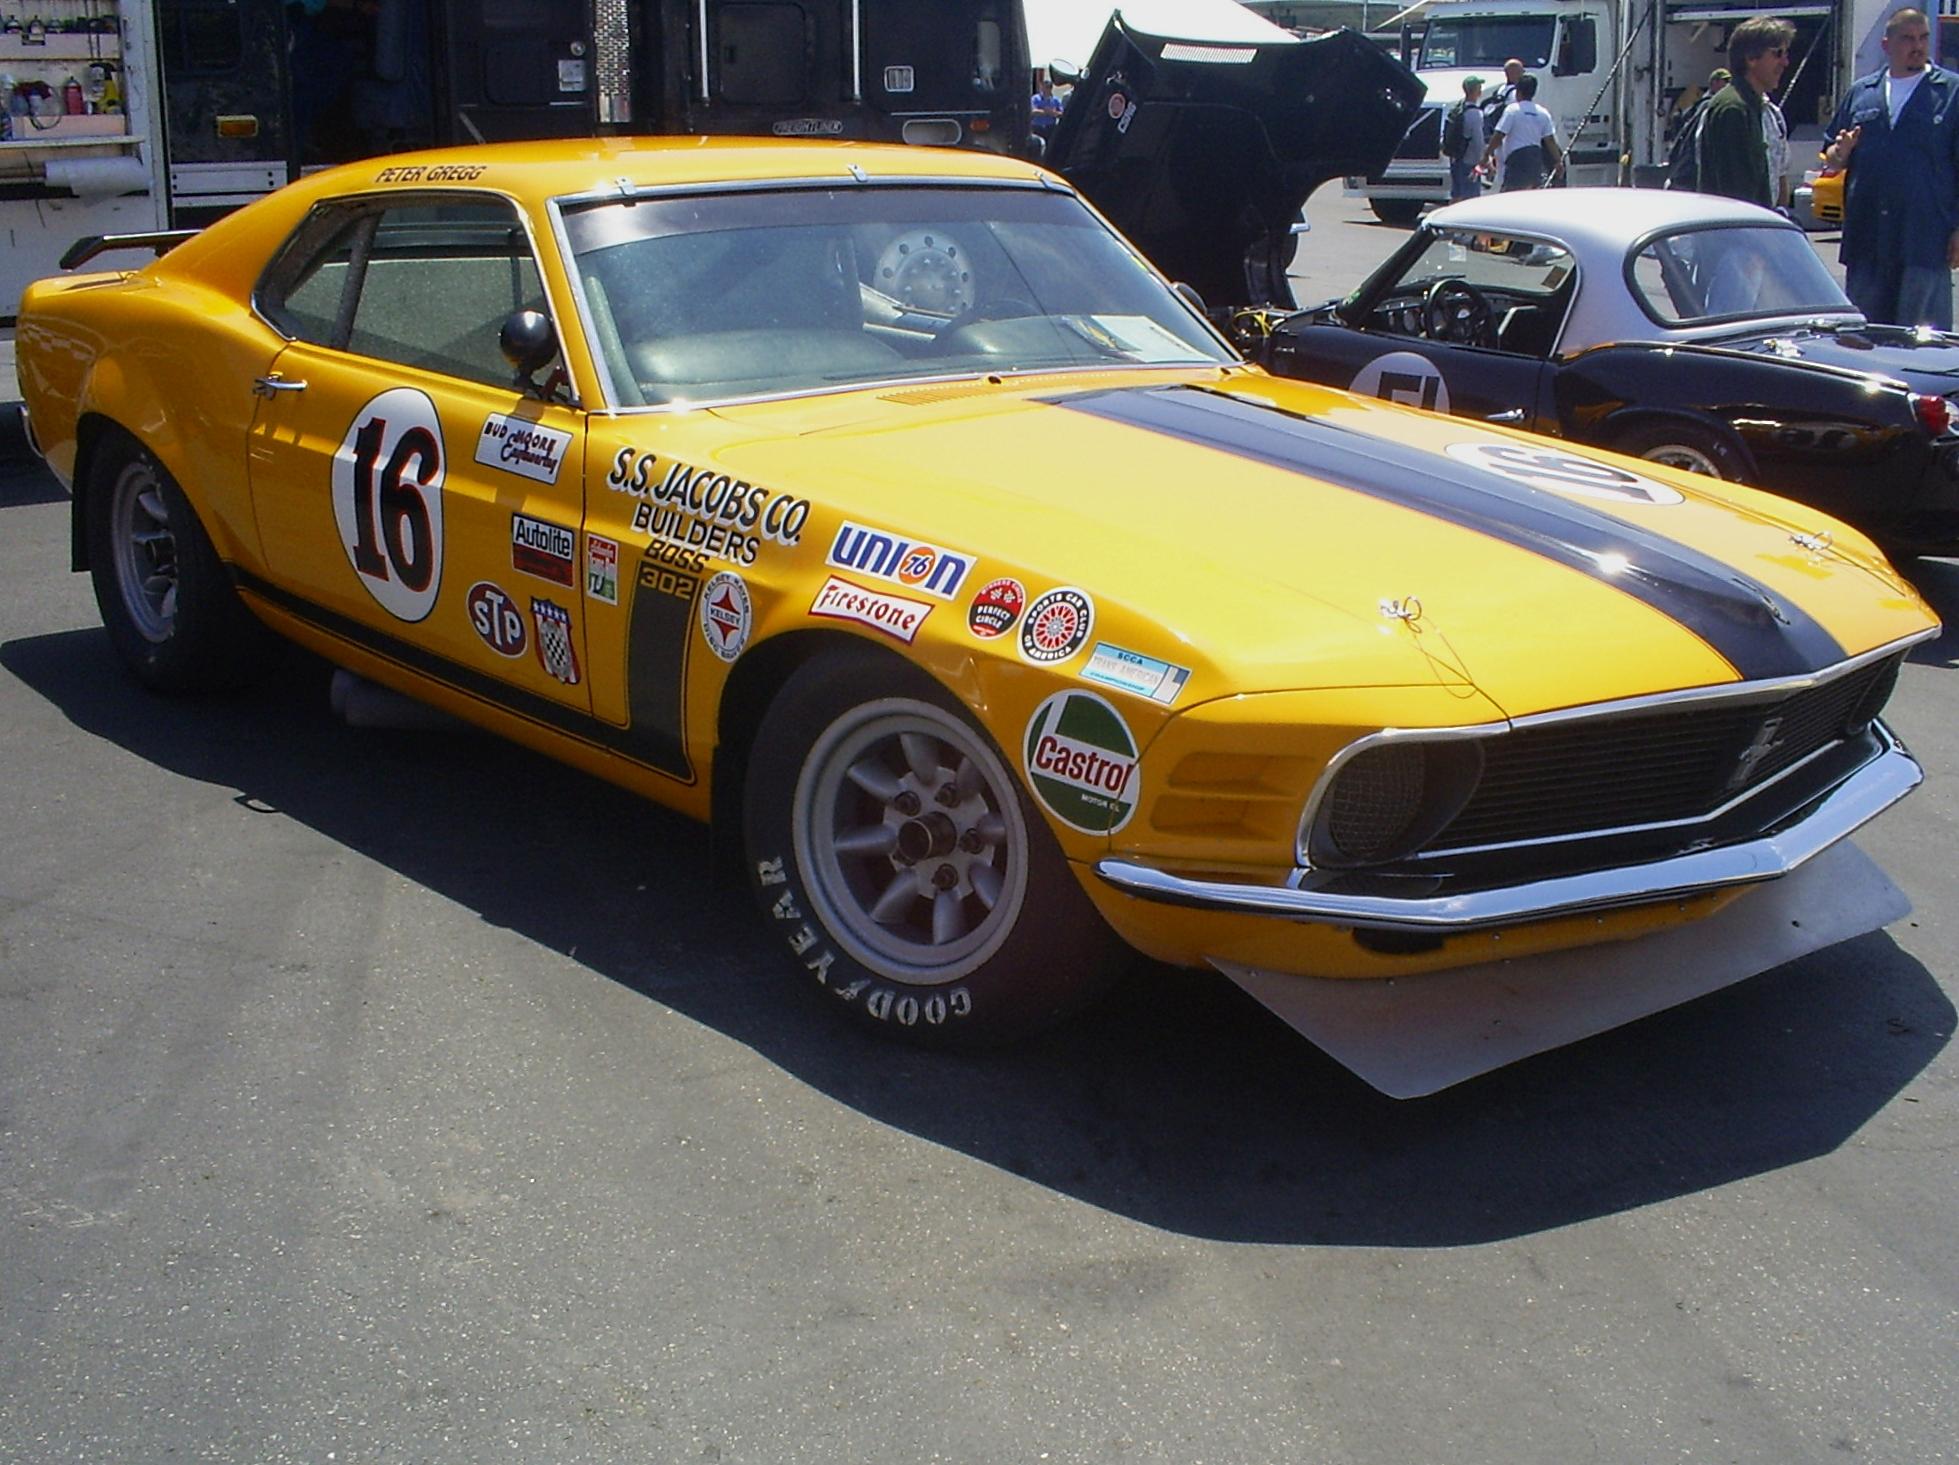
column 885, row 505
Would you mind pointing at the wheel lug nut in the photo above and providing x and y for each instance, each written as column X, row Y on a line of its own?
column 971, row 843
column 907, row 803
column 947, row 795
column 945, row 877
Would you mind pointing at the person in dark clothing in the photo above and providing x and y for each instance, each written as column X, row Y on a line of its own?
column 1734, row 154
column 1897, row 135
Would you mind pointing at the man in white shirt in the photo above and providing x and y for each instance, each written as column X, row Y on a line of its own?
column 1525, row 135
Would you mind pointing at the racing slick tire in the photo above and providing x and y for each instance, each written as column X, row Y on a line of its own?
column 1403, row 213
column 1684, row 445
column 892, row 848
column 170, row 609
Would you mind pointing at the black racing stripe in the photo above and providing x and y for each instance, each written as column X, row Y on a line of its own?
column 652, row 748
column 1760, row 634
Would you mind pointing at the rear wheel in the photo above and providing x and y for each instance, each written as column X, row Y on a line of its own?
column 166, row 601
column 1683, row 445
column 892, row 848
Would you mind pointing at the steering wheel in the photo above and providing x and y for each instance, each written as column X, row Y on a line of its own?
column 1455, row 310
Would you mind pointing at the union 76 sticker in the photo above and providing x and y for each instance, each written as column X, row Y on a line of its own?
column 1562, row 472
column 387, row 500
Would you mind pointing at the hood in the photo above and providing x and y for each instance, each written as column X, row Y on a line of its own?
column 1204, row 153
column 1928, row 361
column 1275, row 536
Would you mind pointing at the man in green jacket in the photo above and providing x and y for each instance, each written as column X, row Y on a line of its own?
column 1734, row 154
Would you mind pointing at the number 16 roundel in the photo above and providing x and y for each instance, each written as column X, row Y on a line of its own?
column 387, row 500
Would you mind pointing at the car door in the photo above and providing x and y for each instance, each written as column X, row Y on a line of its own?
column 1465, row 381
column 410, row 496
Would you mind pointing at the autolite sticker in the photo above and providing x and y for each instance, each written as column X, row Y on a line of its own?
column 1131, row 671
column 517, row 446
column 541, row 549
column 1081, row 762
column 894, row 615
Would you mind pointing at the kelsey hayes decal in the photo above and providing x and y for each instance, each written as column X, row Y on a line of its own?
column 894, row 615
column 544, row 550
column 1057, row 626
column 726, row 615
column 517, row 446
column 719, row 515
column 1081, row 762
column 1131, row 671
column 908, row 562
column 1562, row 472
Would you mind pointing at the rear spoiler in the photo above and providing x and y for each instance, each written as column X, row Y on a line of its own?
column 89, row 246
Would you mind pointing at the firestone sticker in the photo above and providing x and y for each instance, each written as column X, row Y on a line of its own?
column 1131, row 671
column 1562, row 472
column 602, row 569
column 1057, row 626
column 521, row 447
column 895, row 615
column 995, row 608
column 727, row 615
column 1081, row 762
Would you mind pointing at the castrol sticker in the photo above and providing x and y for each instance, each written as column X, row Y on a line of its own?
column 895, row 616
column 1081, row 762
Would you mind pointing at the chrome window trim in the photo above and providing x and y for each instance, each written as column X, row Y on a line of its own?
column 1758, row 691
column 625, row 189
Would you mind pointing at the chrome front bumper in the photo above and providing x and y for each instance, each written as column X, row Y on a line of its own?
column 1861, row 797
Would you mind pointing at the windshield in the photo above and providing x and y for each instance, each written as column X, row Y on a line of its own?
column 1488, row 40
column 1518, row 268
column 758, row 294
column 1737, row 272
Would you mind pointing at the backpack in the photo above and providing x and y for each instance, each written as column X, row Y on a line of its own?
column 1453, row 134
column 1684, row 152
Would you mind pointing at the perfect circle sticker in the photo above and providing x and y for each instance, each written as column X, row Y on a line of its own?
column 1081, row 762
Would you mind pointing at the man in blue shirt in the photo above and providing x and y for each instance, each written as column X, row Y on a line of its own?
column 1897, row 134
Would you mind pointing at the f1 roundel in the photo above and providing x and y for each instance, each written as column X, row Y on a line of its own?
column 387, row 500
column 1563, row 472
column 1403, row 377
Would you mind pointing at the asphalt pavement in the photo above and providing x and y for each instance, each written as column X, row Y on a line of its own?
column 379, row 1096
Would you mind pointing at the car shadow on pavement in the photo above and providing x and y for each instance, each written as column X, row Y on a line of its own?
column 1179, row 1103
column 1938, row 582
column 24, row 481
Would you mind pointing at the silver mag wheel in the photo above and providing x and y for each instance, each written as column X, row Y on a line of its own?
column 1684, row 455
column 144, row 550
column 912, row 841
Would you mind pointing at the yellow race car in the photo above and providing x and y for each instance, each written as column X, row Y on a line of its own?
column 883, row 504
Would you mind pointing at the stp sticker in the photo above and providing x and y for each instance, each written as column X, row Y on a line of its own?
column 726, row 615
column 1081, row 762
column 602, row 569
column 521, row 447
column 544, row 550
column 494, row 614
column 387, row 500
column 1404, row 377
column 1561, row 472
column 555, row 651
column 1057, row 626
column 995, row 608
column 1131, row 671
column 895, row 615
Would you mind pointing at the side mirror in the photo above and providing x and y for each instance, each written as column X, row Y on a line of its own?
column 527, row 341
column 1064, row 73
column 1191, row 297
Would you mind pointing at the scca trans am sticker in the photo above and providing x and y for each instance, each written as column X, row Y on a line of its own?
column 387, row 500
column 1561, row 472
column 1404, row 377
column 1057, row 626
column 726, row 615
column 1131, row 671
column 907, row 562
column 521, row 447
column 494, row 615
column 1081, row 762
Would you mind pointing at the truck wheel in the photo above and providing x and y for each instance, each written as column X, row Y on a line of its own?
column 892, row 848
column 166, row 601
column 1683, row 445
column 1403, row 213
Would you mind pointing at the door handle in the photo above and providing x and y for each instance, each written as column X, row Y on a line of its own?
column 1515, row 414
column 269, row 386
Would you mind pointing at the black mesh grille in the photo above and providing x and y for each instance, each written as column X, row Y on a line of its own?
column 1670, row 764
column 1374, row 800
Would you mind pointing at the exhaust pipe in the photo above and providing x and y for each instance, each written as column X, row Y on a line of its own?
column 360, row 703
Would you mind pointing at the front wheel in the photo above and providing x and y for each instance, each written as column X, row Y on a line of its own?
column 891, row 847
column 1683, row 445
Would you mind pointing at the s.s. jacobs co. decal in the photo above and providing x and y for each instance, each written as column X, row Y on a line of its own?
column 1057, row 626
column 1561, row 472
column 727, row 616
column 1131, row 671
column 387, row 500
column 521, row 447
column 1404, row 377
column 494, row 614
column 995, row 607
column 1081, row 762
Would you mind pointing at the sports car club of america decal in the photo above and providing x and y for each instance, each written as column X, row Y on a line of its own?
column 1057, row 626
column 1081, row 762
column 387, row 500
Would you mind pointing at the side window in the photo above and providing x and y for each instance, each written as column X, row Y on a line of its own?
column 425, row 283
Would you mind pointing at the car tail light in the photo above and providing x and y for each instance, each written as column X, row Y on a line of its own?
column 1934, row 413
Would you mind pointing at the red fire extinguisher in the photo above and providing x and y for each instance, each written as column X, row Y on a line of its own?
column 72, row 102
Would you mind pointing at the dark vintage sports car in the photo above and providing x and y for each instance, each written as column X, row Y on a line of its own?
column 1678, row 327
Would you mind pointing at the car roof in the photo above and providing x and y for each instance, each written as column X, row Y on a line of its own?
column 1601, row 222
